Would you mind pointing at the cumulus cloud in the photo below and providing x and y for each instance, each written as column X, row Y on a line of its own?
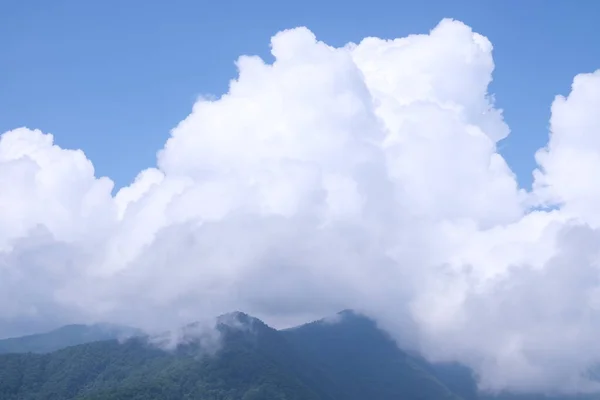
column 365, row 177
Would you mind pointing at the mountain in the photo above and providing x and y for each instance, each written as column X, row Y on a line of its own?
column 364, row 362
column 252, row 361
column 240, row 357
column 65, row 336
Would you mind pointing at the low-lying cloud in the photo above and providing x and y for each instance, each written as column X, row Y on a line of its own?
column 362, row 177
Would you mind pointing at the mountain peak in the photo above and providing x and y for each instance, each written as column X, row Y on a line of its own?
column 241, row 321
column 236, row 316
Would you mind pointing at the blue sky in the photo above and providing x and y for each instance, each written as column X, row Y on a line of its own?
column 113, row 77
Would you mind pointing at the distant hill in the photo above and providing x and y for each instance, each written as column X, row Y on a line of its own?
column 65, row 336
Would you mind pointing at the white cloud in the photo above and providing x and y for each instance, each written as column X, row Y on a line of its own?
column 571, row 161
column 360, row 177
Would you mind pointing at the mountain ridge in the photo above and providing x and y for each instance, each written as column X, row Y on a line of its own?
column 253, row 361
column 343, row 357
